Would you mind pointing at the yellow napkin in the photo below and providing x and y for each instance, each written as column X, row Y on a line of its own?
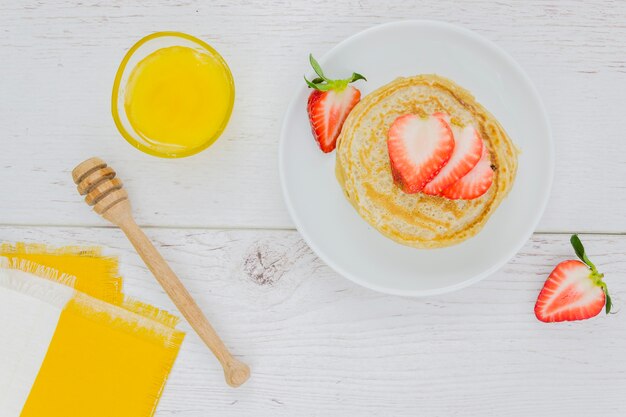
column 94, row 274
column 107, row 355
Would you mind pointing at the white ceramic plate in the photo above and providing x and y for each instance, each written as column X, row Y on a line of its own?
column 335, row 231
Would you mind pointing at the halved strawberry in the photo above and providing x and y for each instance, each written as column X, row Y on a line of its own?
column 473, row 184
column 329, row 105
column 418, row 149
column 573, row 291
column 468, row 148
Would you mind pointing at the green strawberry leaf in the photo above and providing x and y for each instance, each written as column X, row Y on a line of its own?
column 356, row 76
column 609, row 303
column 316, row 67
column 324, row 84
column 321, row 87
column 580, row 251
column 578, row 247
column 310, row 83
column 595, row 275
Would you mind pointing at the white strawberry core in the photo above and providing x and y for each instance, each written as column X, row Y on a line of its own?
column 336, row 109
column 428, row 133
column 463, row 143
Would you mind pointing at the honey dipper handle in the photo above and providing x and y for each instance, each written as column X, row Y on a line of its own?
column 235, row 372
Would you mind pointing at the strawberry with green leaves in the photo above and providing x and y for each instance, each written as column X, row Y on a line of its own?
column 573, row 291
column 329, row 104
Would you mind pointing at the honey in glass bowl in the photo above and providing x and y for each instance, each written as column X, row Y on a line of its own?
column 173, row 95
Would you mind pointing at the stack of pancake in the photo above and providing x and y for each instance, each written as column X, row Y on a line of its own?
column 364, row 173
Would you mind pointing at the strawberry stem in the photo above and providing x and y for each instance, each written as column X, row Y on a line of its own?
column 322, row 83
column 596, row 277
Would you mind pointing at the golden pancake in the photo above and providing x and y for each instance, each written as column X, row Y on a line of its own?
column 364, row 172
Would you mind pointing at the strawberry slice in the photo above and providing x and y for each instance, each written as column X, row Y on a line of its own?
column 418, row 149
column 468, row 148
column 473, row 184
column 444, row 116
column 328, row 111
column 573, row 291
column 329, row 104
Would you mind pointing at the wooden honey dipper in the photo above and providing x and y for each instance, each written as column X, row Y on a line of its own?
column 96, row 181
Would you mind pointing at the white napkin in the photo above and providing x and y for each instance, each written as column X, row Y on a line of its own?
column 29, row 309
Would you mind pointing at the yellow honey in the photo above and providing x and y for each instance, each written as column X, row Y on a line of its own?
column 177, row 100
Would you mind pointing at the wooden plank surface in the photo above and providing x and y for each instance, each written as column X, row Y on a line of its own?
column 58, row 60
column 319, row 345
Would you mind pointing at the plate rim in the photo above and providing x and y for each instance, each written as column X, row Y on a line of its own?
column 515, row 248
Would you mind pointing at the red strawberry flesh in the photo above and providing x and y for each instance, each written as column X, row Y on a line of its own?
column 570, row 293
column 468, row 148
column 473, row 184
column 328, row 111
column 418, row 149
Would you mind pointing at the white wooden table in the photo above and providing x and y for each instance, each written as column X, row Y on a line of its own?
column 319, row 345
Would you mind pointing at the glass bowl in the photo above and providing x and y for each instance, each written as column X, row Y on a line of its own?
column 135, row 54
